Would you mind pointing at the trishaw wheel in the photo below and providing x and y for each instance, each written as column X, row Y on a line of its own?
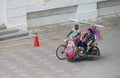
column 60, row 52
column 94, row 53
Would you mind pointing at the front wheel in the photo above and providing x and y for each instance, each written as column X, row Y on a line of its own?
column 94, row 53
column 60, row 52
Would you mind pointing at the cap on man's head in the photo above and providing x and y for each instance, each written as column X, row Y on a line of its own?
column 76, row 25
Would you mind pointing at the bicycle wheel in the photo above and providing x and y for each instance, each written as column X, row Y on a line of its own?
column 60, row 52
column 94, row 53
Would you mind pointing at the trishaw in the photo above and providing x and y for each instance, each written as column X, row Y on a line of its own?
column 93, row 52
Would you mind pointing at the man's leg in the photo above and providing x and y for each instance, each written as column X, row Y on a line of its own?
column 83, row 45
column 82, row 49
column 77, row 45
column 76, row 48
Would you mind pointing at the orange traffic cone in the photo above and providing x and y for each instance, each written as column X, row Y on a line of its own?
column 36, row 41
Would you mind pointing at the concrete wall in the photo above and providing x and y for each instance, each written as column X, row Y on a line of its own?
column 51, row 16
column 16, row 14
column 108, row 7
column 60, row 11
column 52, row 4
column 86, row 11
column 101, row 0
column 2, row 11
column 13, row 14
column 21, row 15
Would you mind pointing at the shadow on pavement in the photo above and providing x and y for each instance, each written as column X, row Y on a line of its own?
column 81, row 59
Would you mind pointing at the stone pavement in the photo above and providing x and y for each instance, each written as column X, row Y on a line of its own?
column 19, row 59
column 29, row 62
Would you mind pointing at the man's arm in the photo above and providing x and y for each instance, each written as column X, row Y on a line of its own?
column 69, row 33
column 78, row 34
column 91, row 41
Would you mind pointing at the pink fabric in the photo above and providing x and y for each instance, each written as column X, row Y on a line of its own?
column 97, row 33
column 70, row 47
column 70, row 50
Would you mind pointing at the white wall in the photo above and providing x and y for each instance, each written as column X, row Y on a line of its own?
column 85, row 9
column 50, row 20
column 101, row 0
column 51, row 16
column 2, row 11
column 108, row 7
column 41, row 5
column 19, row 14
column 16, row 14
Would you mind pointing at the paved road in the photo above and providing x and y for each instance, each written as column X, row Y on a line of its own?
column 19, row 59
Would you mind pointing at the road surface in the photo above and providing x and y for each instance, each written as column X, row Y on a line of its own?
column 19, row 59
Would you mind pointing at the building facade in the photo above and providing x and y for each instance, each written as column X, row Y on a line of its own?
column 23, row 14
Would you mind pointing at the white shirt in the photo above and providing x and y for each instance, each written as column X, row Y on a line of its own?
column 75, row 32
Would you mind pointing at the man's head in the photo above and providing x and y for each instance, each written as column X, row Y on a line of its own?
column 76, row 26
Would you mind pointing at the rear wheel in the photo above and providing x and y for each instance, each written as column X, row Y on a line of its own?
column 94, row 53
column 60, row 52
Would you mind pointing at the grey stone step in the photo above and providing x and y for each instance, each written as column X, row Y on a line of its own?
column 19, row 38
column 8, row 31
column 13, row 35
column 2, row 27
